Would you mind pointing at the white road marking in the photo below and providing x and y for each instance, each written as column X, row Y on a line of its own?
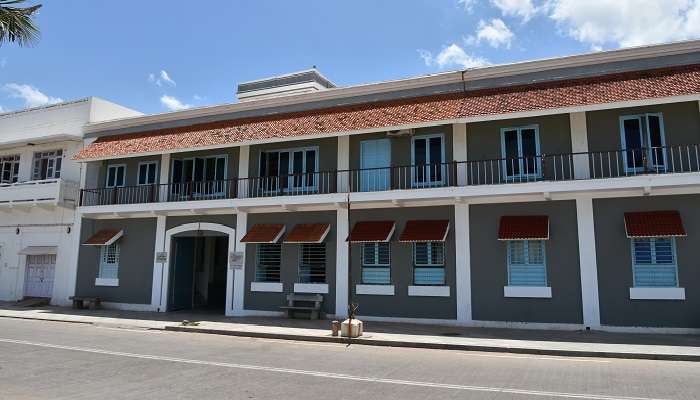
column 330, row 375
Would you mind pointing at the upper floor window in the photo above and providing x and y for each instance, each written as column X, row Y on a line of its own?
column 312, row 263
column 654, row 262
column 269, row 256
column 643, row 142
column 429, row 263
column 520, row 148
column 148, row 172
column 47, row 165
column 526, row 263
column 9, row 169
column 376, row 263
column 289, row 169
column 199, row 177
column 428, row 153
column 116, row 176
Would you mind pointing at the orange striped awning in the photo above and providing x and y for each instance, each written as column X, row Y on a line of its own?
column 524, row 227
column 104, row 237
column 372, row 231
column 308, row 233
column 264, row 233
column 654, row 224
column 427, row 230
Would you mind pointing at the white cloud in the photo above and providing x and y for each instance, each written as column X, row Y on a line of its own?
column 162, row 78
column 525, row 9
column 3, row 62
column 495, row 32
column 197, row 97
column 626, row 22
column 452, row 55
column 173, row 104
column 468, row 5
column 31, row 96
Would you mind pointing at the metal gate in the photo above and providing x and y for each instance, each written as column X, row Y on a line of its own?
column 38, row 278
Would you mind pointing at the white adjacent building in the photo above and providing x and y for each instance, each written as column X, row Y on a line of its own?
column 39, row 189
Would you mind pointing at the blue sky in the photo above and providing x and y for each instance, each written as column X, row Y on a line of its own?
column 161, row 55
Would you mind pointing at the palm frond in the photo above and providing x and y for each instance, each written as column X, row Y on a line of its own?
column 16, row 23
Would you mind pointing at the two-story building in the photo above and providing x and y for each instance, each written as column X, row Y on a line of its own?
column 560, row 193
column 39, row 191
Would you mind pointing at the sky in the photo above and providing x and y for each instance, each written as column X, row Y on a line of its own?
column 164, row 55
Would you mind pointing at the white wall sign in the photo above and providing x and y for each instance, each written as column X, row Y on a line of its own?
column 162, row 257
column 235, row 260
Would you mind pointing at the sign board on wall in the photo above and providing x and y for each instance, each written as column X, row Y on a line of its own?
column 235, row 260
column 162, row 257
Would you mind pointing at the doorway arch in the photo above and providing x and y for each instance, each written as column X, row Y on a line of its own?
column 197, row 226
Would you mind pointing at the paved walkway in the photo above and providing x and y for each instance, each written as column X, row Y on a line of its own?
column 563, row 343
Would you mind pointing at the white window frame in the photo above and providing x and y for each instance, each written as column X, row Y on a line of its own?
column 645, row 136
column 428, row 182
column 429, row 264
column 13, row 160
column 51, row 156
column 115, row 167
column 521, row 164
column 376, row 263
column 104, row 279
column 290, row 167
column 148, row 165
column 653, row 263
column 258, row 251
column 527, row 263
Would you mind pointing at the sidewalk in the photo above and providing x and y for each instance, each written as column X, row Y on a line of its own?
column 559, row 343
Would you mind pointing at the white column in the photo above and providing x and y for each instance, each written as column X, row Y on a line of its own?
column 588, row 262
column 164, row 178
column 72, row 273
column 579, row 144
column 463, row 265
column 459, row 151
column 343, row 163
column 159, row 267
column 26, row 160
column 342, row 269
column 243, row 165
column 235, row 279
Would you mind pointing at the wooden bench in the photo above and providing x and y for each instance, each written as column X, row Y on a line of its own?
column 82, row 303
column 308, row 303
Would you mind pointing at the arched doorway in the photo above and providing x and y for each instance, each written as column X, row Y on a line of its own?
column 197, row 266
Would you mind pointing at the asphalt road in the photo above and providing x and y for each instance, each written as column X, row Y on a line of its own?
column 50, row 360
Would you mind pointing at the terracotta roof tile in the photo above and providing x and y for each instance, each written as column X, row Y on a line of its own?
column 426, row 230
column 568, row 93
column 372, row 231
column 654, row 224
column 523, row 227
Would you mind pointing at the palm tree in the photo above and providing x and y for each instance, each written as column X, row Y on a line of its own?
column 16, row 24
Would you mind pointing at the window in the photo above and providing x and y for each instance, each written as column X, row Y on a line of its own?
column 148, row 172
column 429, row 263
column 9, row 169
column 643, row 142
column 289, row 169
column 428, row 154
column 109, row 262
column 526, row 263
column 312, row 263
column 116, row 176
column 654, row 262
column 47, row 165
column 199, row 177
column 376, row 263
column 520, row 149
column 268, row 262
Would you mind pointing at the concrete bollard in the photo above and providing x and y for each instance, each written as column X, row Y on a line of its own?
column 335, row 328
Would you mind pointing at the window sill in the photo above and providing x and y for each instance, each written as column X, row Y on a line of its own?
column 276, row 287
column 106, row 282
column 535, row 292
column 657, row 293
column 311, row 288
column 377, row 290
column 429, row 291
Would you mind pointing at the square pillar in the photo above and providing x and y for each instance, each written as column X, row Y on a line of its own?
column 243, row 165
column 459, row 151
column 159, row 267
column 579, row 144
column 343, row 164
column 587, row 262
column 342, row 269
column 235, row 278
column 463, row 265
column 164, row 178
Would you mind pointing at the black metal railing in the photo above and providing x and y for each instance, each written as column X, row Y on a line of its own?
column 513, row 170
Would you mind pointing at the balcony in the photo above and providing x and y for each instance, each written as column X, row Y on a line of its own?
column 539, row 168
column 44, row 192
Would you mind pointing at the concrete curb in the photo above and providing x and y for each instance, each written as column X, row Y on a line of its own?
column 443, row 346
column 47, row 319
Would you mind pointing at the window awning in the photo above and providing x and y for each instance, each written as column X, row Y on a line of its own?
column 654, row 224
column 104, row 237
column 372, row 231
column 524, row 227
column 308, row 233
column 427, row 230
column 264, row 233
column 38, row 250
